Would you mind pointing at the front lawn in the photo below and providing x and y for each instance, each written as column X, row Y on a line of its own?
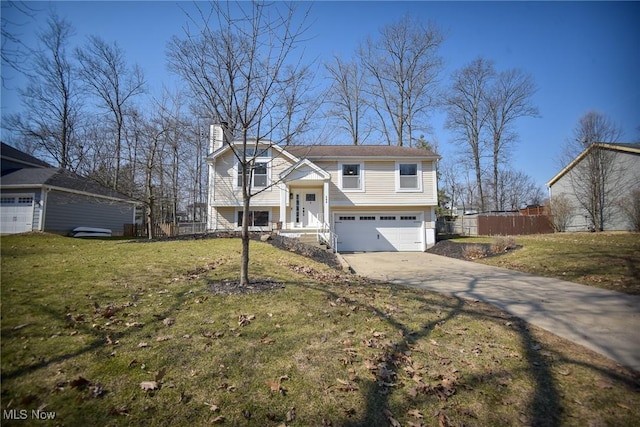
column 109, row 332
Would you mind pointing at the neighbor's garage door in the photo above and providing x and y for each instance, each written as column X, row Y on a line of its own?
column 378, row 232
column 16, row 212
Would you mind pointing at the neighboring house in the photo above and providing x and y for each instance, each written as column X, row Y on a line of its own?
column 37, row 197
column 373, row 198
column 620, row 164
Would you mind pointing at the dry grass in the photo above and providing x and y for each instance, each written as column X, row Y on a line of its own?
column 86, row 324
column 605, row 260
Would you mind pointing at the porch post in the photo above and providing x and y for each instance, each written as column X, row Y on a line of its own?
column 284, row 196
column 325, row 205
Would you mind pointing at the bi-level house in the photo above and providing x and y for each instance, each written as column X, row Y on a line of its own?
column 367, row 198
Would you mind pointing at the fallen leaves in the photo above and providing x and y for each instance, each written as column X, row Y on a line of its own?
column 276, row 385
column 245, row 319
column 155, row 384
column 149, row 385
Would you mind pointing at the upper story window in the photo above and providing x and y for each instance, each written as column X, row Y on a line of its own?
column 260, row 178
column 351, row 177
column 258, row 152
column 408, row 177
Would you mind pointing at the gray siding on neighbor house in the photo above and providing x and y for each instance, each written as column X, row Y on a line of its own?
column 66, row 211
column 624, row 179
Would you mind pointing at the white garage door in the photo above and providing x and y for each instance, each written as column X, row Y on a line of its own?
column 378, row 232
column 16, row 212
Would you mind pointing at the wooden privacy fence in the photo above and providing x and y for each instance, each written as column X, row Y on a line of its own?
column 159, row 230
column 509, row 225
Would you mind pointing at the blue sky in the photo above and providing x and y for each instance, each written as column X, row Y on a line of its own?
column 582, row 55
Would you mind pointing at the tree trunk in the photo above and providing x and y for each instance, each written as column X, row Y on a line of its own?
column 244, row 263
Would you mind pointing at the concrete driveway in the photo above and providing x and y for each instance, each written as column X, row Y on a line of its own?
column 605, row 321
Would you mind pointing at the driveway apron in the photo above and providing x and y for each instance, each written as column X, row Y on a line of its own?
column 607, row 322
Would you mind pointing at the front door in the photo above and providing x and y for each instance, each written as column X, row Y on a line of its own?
column 306, row 209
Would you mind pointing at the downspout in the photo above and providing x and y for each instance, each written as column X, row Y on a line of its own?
column 43, row 209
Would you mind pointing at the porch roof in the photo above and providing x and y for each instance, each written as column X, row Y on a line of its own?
column 304, row 170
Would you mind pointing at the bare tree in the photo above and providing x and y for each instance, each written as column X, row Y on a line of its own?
column 403, row 67
column 467, row 114
column 508, row 99
column 347, row 97
column 239, row 64
column 52, row 99
column 561, row 212
column 597, row 179
column 515, row 189
column 631, row 208
column 105, row 72
column 15, row 53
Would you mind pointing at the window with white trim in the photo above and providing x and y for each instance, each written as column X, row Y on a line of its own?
column 351, row 176
column 260, row 176
column 409, row 176
column 256, row 218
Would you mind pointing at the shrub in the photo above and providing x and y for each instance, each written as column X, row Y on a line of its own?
column 474, row 252
column 503, row 244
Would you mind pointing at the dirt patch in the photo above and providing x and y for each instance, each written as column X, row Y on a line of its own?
column 468, row 251
column 232, row 286
column 454, row 250
column 316, row 254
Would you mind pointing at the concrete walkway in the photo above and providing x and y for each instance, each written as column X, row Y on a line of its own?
column 605, row 321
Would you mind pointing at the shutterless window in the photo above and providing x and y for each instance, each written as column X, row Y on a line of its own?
column 310, row 197
column 256, row 218
column 408, row 176
column 351, row 177
column 367, row 218
column 261, row 152
column 260, row 175
column 407, row 218
column 387, row 218
column 347, row 218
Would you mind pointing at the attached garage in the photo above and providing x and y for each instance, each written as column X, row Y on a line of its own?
column 379, row 232
column 16, row 212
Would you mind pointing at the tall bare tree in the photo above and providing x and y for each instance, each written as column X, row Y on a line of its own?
column 347, row 98
column 467, row 114
column 104, row 70
column 508, row 99
column 240, row 62
column 516, row 189
column 52, row 99
column 597, row 179
column 403, row 65
column 14, row 52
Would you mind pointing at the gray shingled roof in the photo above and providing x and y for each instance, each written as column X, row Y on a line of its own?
column 38, row 177
column 11, row 153
column 337, row 151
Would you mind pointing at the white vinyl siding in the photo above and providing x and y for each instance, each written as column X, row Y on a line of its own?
column 225, row 191
column 380, row 185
